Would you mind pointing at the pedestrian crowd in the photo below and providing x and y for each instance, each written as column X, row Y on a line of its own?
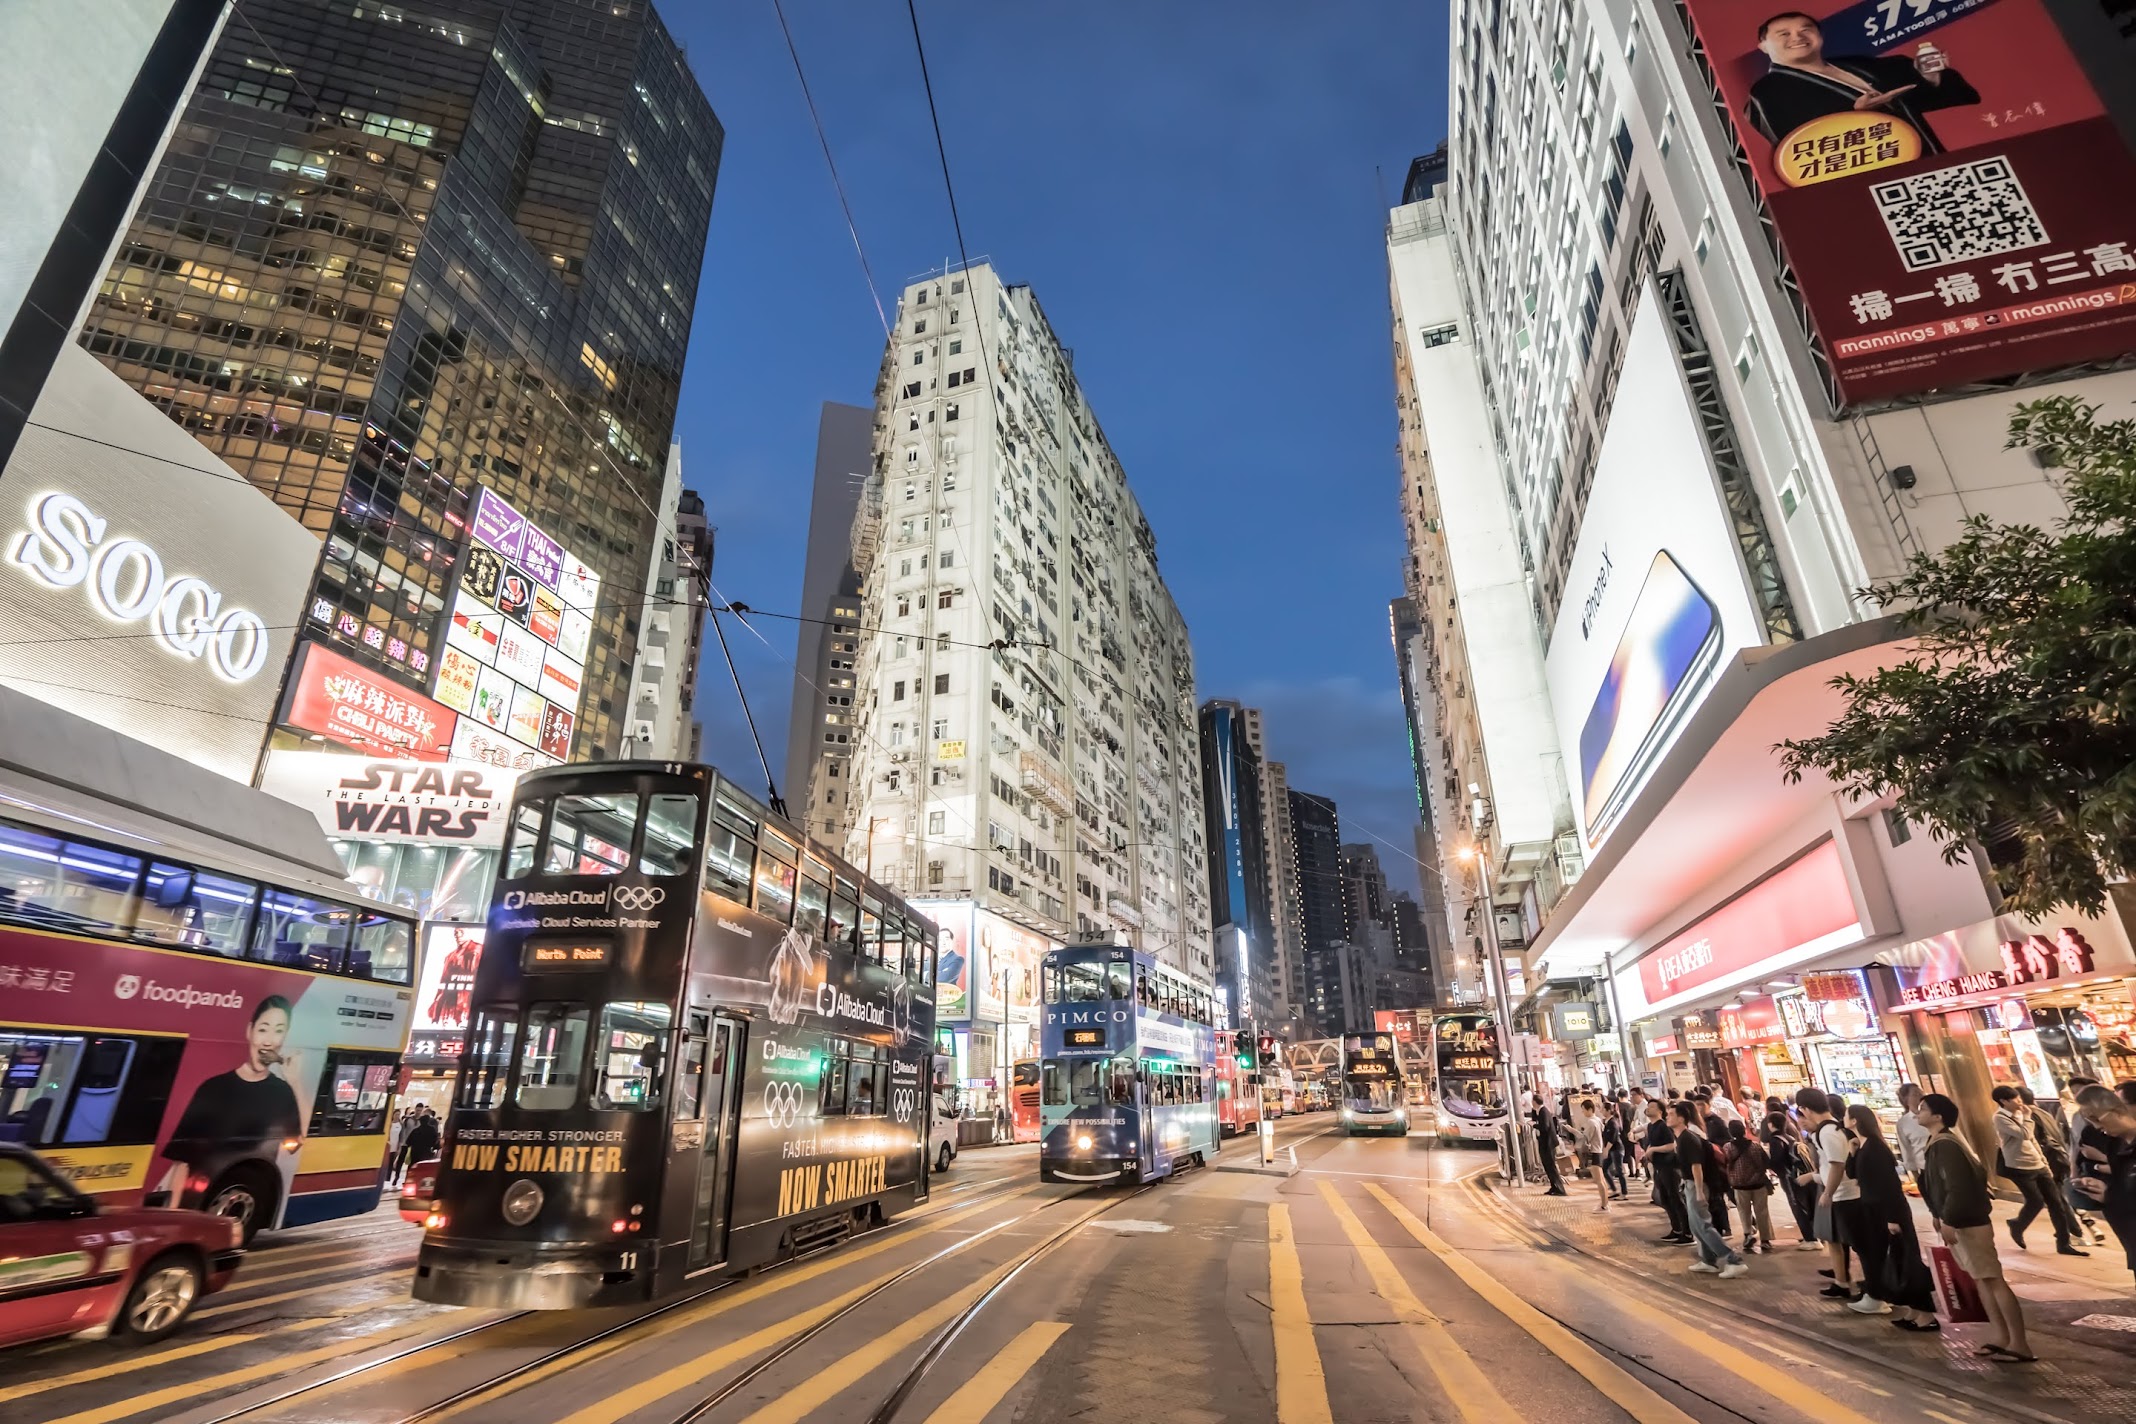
column 1713, row 1164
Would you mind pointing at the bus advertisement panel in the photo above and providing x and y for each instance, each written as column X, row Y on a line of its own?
column 251, row 1089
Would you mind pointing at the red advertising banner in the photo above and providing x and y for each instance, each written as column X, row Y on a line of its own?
column 1801, row 904
column 1955, row 202
column 348, row 703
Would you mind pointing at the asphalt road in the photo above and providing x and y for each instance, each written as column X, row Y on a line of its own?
column 1376, row 1282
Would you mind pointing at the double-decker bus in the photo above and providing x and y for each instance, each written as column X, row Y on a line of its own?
column 699, row 1042
column 1373, row 1096
column 1023, row 1101
column 192, row 1019
column 1470, row 1067
column 1128, row 1091
column 1238, row 1097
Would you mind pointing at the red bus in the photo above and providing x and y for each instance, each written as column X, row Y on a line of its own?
column 1238, row 1103
column 189, row 1019
column 1023, row 1102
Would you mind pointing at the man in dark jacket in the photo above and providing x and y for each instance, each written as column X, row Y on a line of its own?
column 1546, row 1136
column 422, row 1140
column 1805, row 83
column 1955, row 1187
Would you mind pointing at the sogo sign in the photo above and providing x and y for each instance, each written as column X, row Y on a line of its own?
column 124, row 579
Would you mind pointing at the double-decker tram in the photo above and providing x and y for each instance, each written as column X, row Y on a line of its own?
column 1471, row 1073
column 1238, row 1097
column 1023, row 1101
column 1373, row 1098
column 1128, row 1068
column 699, row 1043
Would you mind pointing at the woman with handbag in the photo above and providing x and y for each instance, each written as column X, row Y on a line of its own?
column 2024, row 1162
column 1892, row 1269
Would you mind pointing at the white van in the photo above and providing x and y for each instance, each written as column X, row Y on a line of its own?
column 942, row 1133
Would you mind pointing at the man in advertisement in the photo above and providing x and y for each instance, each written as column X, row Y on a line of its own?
column 1996, row 239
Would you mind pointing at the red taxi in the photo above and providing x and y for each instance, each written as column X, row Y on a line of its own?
column 416, row 1193
column 71, row 1266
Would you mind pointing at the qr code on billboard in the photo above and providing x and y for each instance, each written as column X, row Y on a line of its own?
column 1958, row 214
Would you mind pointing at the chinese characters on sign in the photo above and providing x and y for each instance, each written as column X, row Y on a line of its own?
column 2025, row 961
column 368, row 711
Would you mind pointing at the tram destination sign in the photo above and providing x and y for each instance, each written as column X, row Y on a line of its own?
column 548, row 956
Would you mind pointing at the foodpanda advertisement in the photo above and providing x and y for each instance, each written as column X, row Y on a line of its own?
column 202, row 1072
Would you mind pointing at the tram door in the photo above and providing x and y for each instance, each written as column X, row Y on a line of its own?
column 712, row 1064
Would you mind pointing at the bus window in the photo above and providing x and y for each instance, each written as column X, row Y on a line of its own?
column 845, row 916
column 552, row 1056
column 488, row 1060
column 382, row 949
column 1119, row 976
column 301, row 932
column 354, row 1089
column 813, row 903
column 58, row 1087
column 670, row 834
column 729, row 858
column 590, row 835
column 775, row 879
column 526, row 833
column 633, row 1046
column 184, row 906
column 48, row 881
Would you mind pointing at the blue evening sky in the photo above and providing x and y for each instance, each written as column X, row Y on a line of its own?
column 1191, row 191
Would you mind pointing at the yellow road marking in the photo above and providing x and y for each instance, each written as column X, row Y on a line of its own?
column 244, row 1282
column 125, row 1365
column 649, row 1391
column 195, row 1389
column 1616, row 1385
column 1465, row 1386
column 978, row 1396
column 232, row 1307
column 1301, row 1384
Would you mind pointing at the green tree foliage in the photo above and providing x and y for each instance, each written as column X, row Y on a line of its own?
column 2016, row 706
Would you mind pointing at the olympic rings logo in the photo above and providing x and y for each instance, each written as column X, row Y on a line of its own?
column 636, row 897
column 902, row 1102
column 782, row 1103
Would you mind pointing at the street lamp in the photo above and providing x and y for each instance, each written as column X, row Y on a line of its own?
column 1482, row 863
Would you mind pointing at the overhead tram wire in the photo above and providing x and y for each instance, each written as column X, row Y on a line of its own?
column 824, row 141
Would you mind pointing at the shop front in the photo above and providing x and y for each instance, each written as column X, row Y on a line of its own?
column 1833, row 1030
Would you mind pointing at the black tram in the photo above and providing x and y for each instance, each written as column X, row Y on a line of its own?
column 699, row 1043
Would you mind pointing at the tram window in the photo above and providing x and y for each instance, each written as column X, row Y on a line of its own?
column 1054, row 1090
column 1076, row 1083
column 552, row 1056
column 813, row 902
column 590, row 835
column 845, row 915
column 1121, row 1082
column 488, row 1059
column 690, row 1074
column 1050, row 983
column 301, row 932
column 633, row 1048
column 775, row 879
column 874, row 929
column 193, row 908
column 526, row 834
column 728, row 860
column 1082, row 983
column 382, row 946
column 670, row 834
column 1119, row 975
column 891, row 947
column 73, row 884
column 354, row 1089
column 920, row 967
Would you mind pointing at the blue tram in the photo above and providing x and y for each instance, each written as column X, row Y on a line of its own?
column 1128, row 1090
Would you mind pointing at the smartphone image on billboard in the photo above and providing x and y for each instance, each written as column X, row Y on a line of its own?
column 1670, row 644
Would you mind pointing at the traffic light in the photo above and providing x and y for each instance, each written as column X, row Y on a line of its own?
column 1242, row 1045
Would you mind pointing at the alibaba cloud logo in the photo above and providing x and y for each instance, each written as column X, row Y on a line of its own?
column 515, row 899
column 126, row 986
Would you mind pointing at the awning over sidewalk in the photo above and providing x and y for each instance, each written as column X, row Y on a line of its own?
column 1716, row 797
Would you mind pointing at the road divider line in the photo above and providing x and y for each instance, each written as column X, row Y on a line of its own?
column 194, row 1390
column 1465, row 1385
column 1301, row 1383
column 126, row 1365
column 977, row 1397
column 1616, row 1384
column 243, row 1282
column 649, row 1391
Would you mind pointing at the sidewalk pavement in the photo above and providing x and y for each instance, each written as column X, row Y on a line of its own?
column 2081, row 1313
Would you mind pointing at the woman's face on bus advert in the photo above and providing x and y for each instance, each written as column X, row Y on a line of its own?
column 266, row 1036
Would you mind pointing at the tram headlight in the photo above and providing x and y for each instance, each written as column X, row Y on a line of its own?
column 522, row 1200
column 1082, row 1142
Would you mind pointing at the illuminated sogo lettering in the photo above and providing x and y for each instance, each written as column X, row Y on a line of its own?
column 124, row 579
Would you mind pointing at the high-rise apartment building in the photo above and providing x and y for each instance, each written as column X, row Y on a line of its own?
column 1240, row 904
column 1287, row 957
column 671, row 626
column 821, row 726
column 1316, row 868
column 1687, row 386
column 1430, row 942
column 1026, row 739
column 394, row 255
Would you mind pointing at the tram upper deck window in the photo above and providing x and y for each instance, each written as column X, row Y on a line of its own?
column 898, row 947
column 730, row 849
column 775, row 877
column 551, row 1056
column 921, row 954
column 845, row 915
column 525, row 836
column 670, row 834
column 590, row 835
column 813, row 904
column 1120, row 979
column 1081, row 982
column 633, row 1051
column 872, row 928
column 488, row 1059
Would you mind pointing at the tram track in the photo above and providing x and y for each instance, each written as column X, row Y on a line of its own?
column 613, row 1334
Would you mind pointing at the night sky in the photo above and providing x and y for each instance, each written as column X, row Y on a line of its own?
column 1197, row 195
